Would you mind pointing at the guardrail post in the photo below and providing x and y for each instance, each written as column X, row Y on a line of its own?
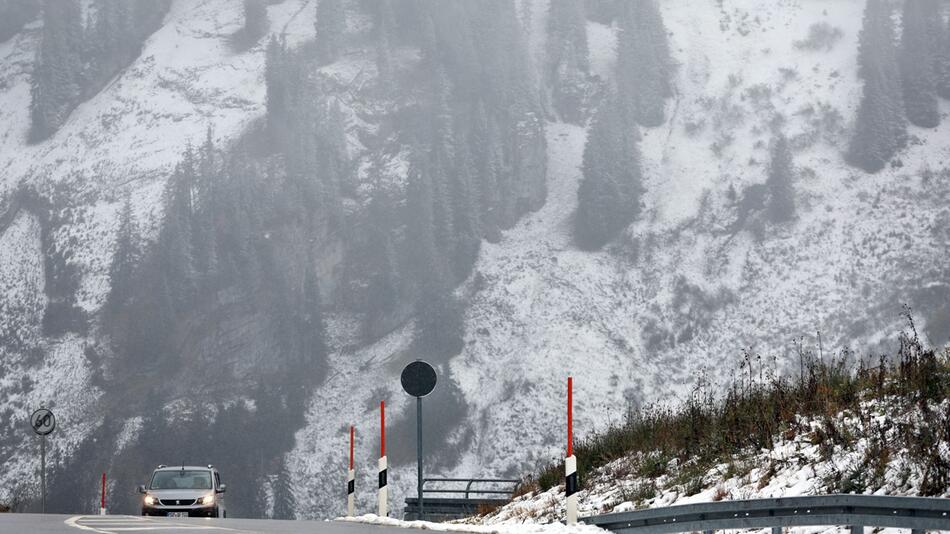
column 857, row 529
column 776, row 530
column 708, row 531
column 917, row 531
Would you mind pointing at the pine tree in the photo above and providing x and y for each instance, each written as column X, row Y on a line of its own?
column 603, row 11
column 487, row 160
column 255, row 20
column 147, row 16
column 57, row 82
column 643, row 63
column 385, row 38
column 608, row 198
column 312, row 331
column 439, row 326
column 428, row 43
column 241, row 214
column 420, row 225
column 124, row 259
column 943, row 62
column 284, row 500
column 274, row 82
column 465, row 210
column 72, row 65
column 567, row 33
column 781, row 206
column 567, row 63
column 918, row 60
column 330, row 26
column 114, row 39
column 112, row 42
column 880, row 127
column 384, row 283
column 205, row 204
column 175, row 256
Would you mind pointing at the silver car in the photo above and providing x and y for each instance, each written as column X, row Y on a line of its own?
column 184, row 491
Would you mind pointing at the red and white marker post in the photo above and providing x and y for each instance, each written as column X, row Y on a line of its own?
column 102, row 500
column 570, row 463
column 351, row 478
column 383, row 464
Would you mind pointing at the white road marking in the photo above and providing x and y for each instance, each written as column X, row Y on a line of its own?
column 111, row 525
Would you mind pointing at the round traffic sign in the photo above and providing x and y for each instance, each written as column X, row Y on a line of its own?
column 418, row 378
column 43, row 421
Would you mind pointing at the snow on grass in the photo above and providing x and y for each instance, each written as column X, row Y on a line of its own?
column 796, row 465
column 501, row 528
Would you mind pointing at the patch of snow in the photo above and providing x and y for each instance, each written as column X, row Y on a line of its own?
column 501, row 528
column 792, row 467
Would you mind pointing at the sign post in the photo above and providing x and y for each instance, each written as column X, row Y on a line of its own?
column 570, row 463
column 418, row 379
column 43, row 422
column 351, row 478
column 383, row 467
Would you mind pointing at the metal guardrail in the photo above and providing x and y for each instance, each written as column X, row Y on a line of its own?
column 856, row 511
column 448, row 506
column 469, row 482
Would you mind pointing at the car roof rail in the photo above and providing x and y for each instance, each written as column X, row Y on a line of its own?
column 160, row 466
column 210, row 466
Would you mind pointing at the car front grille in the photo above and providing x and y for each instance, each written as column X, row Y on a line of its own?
column 177, row 502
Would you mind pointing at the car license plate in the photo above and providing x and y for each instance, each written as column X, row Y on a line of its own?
column 177, row 514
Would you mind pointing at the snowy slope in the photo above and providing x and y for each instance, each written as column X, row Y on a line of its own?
column 684, row 292
column 795, row 466
column 125, row 139
column 539, row 309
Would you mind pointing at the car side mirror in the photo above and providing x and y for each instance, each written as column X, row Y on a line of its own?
column 142, row 488
column 222, row 488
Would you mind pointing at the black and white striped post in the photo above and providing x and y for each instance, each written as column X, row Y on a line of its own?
column 570, row 463
column 351, row 478
column 383, row 467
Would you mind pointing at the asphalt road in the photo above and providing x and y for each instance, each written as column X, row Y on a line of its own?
column 119, row 524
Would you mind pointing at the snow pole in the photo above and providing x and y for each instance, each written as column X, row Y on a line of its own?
column 570, row 463
column 102, row 500
column 383, row 467
column 351, row 478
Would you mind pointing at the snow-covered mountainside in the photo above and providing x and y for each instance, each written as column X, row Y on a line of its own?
column 685, row 291
column 679, row 294
column 126, row 139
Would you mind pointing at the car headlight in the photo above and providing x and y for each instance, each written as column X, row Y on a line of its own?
column 207, row 499
column 150, row 500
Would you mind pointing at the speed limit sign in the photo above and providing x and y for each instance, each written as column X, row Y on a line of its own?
column 43, row 421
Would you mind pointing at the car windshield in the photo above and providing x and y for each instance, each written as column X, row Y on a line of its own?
column 162, row 480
